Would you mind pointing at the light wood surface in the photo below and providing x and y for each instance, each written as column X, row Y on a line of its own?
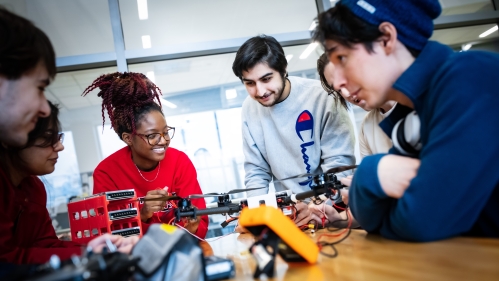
column 364, row 256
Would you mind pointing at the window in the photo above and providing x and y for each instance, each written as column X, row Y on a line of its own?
column 109, row 140
column 65, row 181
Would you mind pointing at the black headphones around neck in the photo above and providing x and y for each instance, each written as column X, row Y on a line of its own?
column 406, row 135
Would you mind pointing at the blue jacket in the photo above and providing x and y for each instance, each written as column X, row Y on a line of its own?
column 456, row 190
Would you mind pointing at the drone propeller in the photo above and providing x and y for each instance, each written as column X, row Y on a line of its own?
column 340, row 169
column 163, row 198
column 330, row 171
column 194, row 196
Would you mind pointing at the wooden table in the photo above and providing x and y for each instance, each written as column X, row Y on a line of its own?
column 364, row 256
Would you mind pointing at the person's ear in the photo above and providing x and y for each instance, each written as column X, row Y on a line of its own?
column 127, row 138
column 389, row 37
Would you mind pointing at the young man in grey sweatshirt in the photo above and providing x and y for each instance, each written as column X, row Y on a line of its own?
column 290, row 124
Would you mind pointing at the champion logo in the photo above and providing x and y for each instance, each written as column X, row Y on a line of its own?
column 305, row 130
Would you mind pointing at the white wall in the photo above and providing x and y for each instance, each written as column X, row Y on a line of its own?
column 83, row 122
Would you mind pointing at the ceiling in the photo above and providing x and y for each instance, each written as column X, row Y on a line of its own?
column 173, row 77
column 87, row 30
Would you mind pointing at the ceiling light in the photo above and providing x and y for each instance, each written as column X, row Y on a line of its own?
column 230, row 94
column 466, row 47
column 167, row 103
column 142, row 7
column 308, row 50
column 289, row 57
column 146, row 41
column 313, row 25
column 150, row 75
column 488, row 32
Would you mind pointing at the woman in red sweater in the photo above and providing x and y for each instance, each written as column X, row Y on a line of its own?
column 146, row 164
column 27, row 235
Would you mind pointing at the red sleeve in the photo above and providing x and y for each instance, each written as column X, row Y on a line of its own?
column 36, row 236
column 186, row 183
column 102, row 181
column 48, row 244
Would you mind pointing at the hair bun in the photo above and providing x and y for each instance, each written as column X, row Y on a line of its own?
column 123, row 93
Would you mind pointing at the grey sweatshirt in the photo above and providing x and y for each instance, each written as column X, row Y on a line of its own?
column 308, row 132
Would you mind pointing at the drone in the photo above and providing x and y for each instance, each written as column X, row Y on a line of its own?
column 325, row 186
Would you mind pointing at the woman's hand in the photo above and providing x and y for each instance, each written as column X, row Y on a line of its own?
column 302, row 214
column 318, row 212
column 191, row 224
column 344, row 195
column 150, row 207
column 347, row 181
column 123, row 244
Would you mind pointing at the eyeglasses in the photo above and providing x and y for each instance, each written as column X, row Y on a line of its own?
column 155, row 138
column 51, row 138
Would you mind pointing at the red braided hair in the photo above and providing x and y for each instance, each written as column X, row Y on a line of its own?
column 125, row 97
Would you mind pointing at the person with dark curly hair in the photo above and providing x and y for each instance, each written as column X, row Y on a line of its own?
column 147, row 163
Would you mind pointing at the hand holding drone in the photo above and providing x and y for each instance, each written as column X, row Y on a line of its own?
column 326, row 186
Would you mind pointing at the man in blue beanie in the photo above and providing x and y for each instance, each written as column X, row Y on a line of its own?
column 441, row 177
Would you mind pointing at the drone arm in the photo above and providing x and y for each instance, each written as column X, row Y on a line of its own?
column 211, row 211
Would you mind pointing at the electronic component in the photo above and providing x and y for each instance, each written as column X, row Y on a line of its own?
column 123, row 214
column 278, row 232
column 108, row 212
column 219, row 268
column 127, row 231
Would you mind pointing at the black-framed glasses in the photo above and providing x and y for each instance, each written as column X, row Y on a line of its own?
column 51, row 138
column 155, row 138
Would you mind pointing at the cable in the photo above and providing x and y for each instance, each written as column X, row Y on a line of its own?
column 205, row 240
column 323, row 244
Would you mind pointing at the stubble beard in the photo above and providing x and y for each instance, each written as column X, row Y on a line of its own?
column 278, row 94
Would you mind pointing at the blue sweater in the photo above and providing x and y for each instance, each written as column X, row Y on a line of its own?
column 456, row 190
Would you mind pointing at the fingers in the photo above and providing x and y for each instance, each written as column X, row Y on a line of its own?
column 303, row 214
column 344, row 195
column 125, row 249
column 101, row 240
column 155, row 208
column 99, row 243
column 303, row 220
column 316, row 209
column 160, row 192
column 98, row 248
column 240, row 229
column 301, row 206
column 347, row 181
column 316, row 218
column 395, row 174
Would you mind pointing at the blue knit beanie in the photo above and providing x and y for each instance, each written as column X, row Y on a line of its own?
column 413, row 19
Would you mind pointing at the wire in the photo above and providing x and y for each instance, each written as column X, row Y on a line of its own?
column 323, row 244
column 293, row 210
column 341, row 208
column 170, row 222
column 205, row 240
